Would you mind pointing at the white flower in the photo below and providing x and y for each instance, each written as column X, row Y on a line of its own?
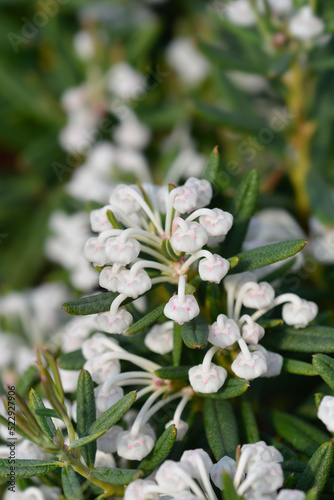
column 188, row 237
column 125, row 82
column 170, row 477
column 208, row 381
column 114, row 323
column 299, row 314
column 137, row 490
column 133, row 284
column 305, row 25
column 134, row 447
column 190, row 65
column 106, row 395
column 123, row 197
column 260, row 451
column 99, row 220
column 108, row 442
column 259, row 295
column 213, row 270
column 103, row 459
column 224, row 332
column 203, row 189
column 101, row 159
column 102, row 367
column 281, row 7
column 250, row 367
column 252, row 332
column 160, row 338
column 322, row 241
column 181, row 427
column 69, row 379
column 291, row 495
column 240, row 12
column 96, row 345
column 109, row 276
column 130, row 133
column 218, row 223
column 326, row 412
column 263, row 477
column 191, row 457
column 185, row 199
column 248, row 82
column 225, row 464
column 84, row 45
column 274, row 362
column 95, row 252
column 181, row 311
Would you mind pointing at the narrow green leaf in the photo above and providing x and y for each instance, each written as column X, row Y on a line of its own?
column 73, row 360
column 280, row 271
column 271, row 323
column 107, row 420
column 312, row 495
column 177, row 344
column 195, row 333
column 45, row 422
column 47, row 412
column 70, row 483
column 249, row 421
column 266, row 255
column 113, row 221
column 168, row 251
column 160, row 452
column 311, row 339
column 299, row 367
column 211, row 172
column 290, row 482
column 28, row 468
column 229, row 492
column 233, row 388
column 86, row 414
column 147, row 320
column 227, row 60
column 221, row 428
column 173, row 372
column 26, row 380
column 317, row 470
column 117, row 477
column 324, row 365
column 90, row 305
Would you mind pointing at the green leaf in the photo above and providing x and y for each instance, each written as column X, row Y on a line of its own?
column 160, row 451
column 106, row 420
column 299, row 367
column 268, row 254
column 27, row 380
column 113, row 221
column 300, row 434
column 220, row 428
column 47, row 412
column 147, row 320
column 28, row 468
column 311, row 339
column 90, row 305
column 195, row 333
column 249, row 421
column 177, row 344
column 318, row 469
column 70, row 483
column 117, row 477
column 168, row 251
column 226, row 60
column 233, row 388
column 86, row 414
column 229, row 492
column 212, row 171
column 73, row 360
column 45, row 422
column 173, row 372
column 280, row 271
column 324, row 365
column 312, row 495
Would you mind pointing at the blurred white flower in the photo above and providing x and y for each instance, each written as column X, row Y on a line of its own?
column 190, row 65
column 305, row 25
column 326, row 412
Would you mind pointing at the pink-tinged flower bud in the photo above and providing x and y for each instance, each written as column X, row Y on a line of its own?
column 203, row 189
column 122, row 252
column 133, row 285
column 299, row 314
column 100, row 367
column 108, row 442
column 95, row 252
column 134, row 447
column 170, row 477
column 326, row 412
column 114, row 323
column 140, row 489
column 274, row 362
column 218, row 223
column 106, row 396
column 259, row 296
column 96, row 345
column 160, row 338
column 190, row 459
column 208, row 381
column 181, row 427
column 108, row 277
column 225, row 464
column 181, row 311
column 291, row 495
column 260, row 451
column 263, row 478
column 103, row 459
column 213, row 270
column 224, row 332
column 189, row 237
column 99, row 220
column 185, row 199
column 250, row 367
column 252, row 332
column 122, row 197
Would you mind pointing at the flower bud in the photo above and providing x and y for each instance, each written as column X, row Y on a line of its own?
column 305, row 25
column 136, row 490
column 190, row 459
column 114, row 323
column 121, row 252
column 134, row 447
column 274, row 362
column 181, row 427
column 133, row 285
column 99, row 220
column 217, row 224
column 291, row 495
column 207, row 381
column 108, row 442
column 122, row 197
column 252, row 332
column 108, row 278
column 170, row 477
column 250, row 368
column 185, row 199
column 203, row 189
column 160, row 338
column 189, row 237
column 261, row 295
column 224, row 332
column 181, row 312
column 106, row 396
column 100, row 367
column 225, row 464
column 95, row 252
column 96, row 345
column 326, row 412
column 103, row 459
column 299, row 315
column 213, row 270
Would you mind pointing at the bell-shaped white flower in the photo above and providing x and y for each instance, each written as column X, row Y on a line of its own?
column 97, row 345
column 140, row 489
column 160, row 338
column 213, row 241
column 207, row 380
column 213, row 269
column 262, row 452
column 99, row 220
column 203, row 189
column 185, row 199
column 241, row 13
column 106, row 395
column 189, row 237
column 252, row 332
column 133, row 284
column 263, row 477
column 108, row 277
column 134, row 447
column 171, row 477
column 120, row 251
column 181, row 308
column 326, row 412
column 225, row 464
column 250, row 367
column 224, row 332
column 103, row 459
column 181, row 427
column 299, row 313
column 95, row 252
column 102, row 367
column 216, row 223
column 274, row 362
column 305, row 25
column 124, row 197
column 258, row 295
column 190, row 458
column 114, row 323
column 108, row 442
column 291, row 495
